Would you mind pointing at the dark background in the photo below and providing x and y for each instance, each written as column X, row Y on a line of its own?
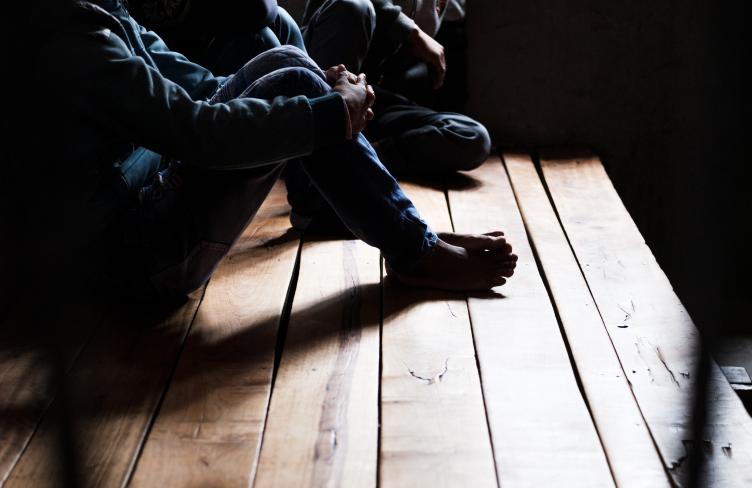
column 658, row 90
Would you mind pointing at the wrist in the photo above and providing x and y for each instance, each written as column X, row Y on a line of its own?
column 330, row 119
column 414, row 35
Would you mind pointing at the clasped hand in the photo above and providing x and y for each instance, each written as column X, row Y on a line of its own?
column 357, row 93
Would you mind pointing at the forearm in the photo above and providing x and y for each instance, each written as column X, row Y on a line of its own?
column 127, row 98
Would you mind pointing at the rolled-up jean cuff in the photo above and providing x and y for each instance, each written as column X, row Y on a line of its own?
column 406, row 263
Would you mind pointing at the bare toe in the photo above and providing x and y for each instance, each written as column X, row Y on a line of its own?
column 475, row 242
column 498, row 281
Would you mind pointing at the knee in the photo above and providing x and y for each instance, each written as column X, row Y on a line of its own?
column 286, row 55
column 280, row 57
column 289, row 82
column 465, row 142
column 475, row 149
column 285, row 20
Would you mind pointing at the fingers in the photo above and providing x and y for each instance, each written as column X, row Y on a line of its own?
column 333, row 73
column 339, row 73
column 337, row 69
column 507, row 272
column 370, row 95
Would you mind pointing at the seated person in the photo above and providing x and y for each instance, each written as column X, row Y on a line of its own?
column 218, row 144
column 394, row 50
column 409, row 139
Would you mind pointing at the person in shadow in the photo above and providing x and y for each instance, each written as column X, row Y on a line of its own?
column 156, row 165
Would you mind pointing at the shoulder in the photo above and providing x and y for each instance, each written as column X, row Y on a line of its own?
column 82, row 13
column 85, row 35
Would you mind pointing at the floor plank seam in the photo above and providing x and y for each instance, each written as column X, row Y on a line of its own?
column 666, row 463
column 381, row 369
column 536, row 164
column 562, row 331
column 284, row 322
column 54, row 396
column 477, row 361
column 163, row 394
column 549, row 292
column 539, row 169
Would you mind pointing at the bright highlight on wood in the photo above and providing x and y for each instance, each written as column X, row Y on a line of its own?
column 303, row 365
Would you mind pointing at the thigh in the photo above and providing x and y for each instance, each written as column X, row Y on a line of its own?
column 418, row 140
column 395, row 115
column 190, row 218
column 287, row 30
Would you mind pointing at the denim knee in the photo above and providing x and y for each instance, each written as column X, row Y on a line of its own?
column 289, row 82
column 461, row 143
column 262, row 65
column 286, row 56
column 475, row 147
column 286, row 25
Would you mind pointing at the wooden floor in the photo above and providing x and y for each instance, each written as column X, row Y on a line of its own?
column 301, row 364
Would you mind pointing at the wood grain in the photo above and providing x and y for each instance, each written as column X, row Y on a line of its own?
column 632, row 455
column 433, row 426
column 651, row 331
column 27, row 386
column 114, row 389
column 208, row 430
column 542, row 432
column 322, row 428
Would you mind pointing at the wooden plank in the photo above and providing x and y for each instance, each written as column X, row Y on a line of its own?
column 27, row 388
column 208, row 430
column 542, row 432
column 114, row 389
column 653, row 335
column 632, row 455
column 322, row 427
column 433, row 424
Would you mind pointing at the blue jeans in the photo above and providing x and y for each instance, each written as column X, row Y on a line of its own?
column 190, row 218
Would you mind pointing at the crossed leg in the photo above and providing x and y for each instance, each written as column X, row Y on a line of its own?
column 192, row 217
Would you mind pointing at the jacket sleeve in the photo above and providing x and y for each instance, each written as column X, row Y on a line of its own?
column 111, row 89
column 198, row 81
column 391, row 22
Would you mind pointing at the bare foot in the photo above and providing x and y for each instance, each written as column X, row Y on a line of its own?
column 463, row 262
